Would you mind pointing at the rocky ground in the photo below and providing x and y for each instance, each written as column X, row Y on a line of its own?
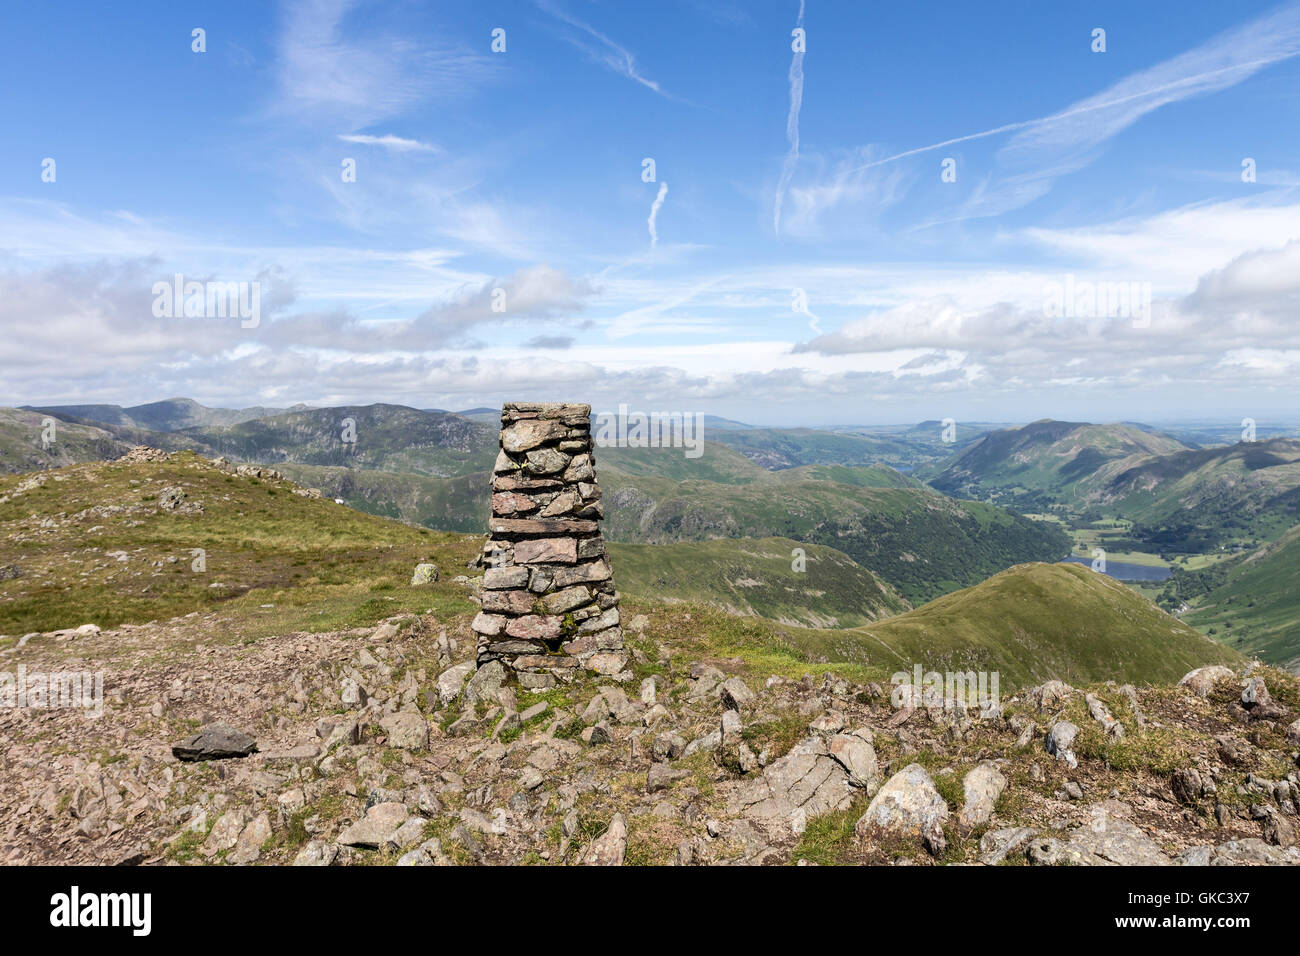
column 384, row 746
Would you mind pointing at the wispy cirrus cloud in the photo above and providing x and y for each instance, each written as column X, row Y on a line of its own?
column 1048, row 147
column 327, row 66
column 607, row 52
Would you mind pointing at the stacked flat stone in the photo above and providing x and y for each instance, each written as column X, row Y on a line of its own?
column 549, row 604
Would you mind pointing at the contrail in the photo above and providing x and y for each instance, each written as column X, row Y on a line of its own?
column 1245, row 50
column 654, row 212
column 1065, row 114
column 791, row 129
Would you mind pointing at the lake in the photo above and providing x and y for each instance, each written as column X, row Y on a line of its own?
column 1126, row 572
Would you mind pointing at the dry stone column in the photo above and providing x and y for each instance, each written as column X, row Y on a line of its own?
column 549, row 604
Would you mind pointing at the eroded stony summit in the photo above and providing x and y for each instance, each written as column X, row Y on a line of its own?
column 375, row 745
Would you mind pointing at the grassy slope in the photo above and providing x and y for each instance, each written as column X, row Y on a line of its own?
column 921, row 542
column 322, row 565
column 750, row 576
column 1031, row 623
column 790, row 447
column 872, row 476
column 446, row 504
column 716, row 463
column 1258, row 608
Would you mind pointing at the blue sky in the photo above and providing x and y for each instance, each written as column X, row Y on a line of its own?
column 522, row 171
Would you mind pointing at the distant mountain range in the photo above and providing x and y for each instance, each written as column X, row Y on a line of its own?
column 1049, row 460
column 23, row 448
column 172, row 414
column 948, row 521
column 1178, row 499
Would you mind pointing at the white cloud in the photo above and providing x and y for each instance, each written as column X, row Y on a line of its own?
column 396, row 144
column 1174, row 248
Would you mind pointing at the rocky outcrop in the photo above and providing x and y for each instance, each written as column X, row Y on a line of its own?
column 1202, row 680
column 805, row 783
column 549, row 605
column 908, row 806
column 981, row 788
column 1109, row 840
column 1060, row 742
column 609, row 848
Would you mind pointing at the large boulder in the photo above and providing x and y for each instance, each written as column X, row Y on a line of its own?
column 804, row 783
column 736, row 694
column 406, row 731
column 609, row 848
column 1108, row 840
column 856, row 753
column 1060, row 742
column 908, row 805
column 982, row 786
column 1202, row 680
column 485, row 683
column 377, row 827
column 452, row 681
column 215, row 742
column 424, row 574
column 249, row 845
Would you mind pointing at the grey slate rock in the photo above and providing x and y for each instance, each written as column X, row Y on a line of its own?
column 215, row 742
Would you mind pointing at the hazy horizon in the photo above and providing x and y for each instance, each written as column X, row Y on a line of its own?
column 1267, row 423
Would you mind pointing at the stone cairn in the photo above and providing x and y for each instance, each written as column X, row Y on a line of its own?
column 549, row 604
